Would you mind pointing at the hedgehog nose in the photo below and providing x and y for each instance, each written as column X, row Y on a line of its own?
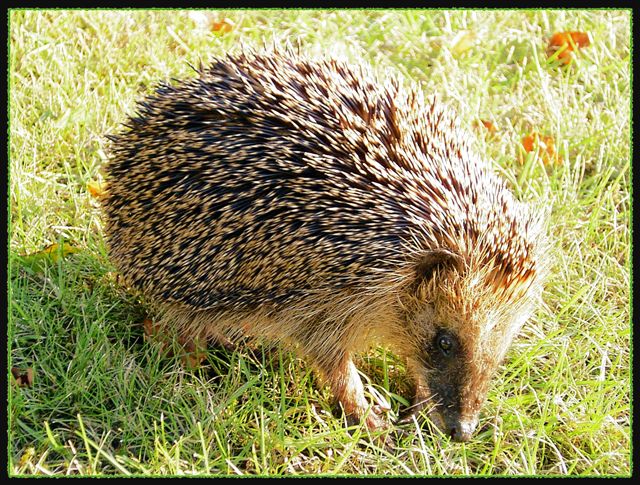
column 461, row 431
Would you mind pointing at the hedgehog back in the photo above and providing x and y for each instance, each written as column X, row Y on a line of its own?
column 269, row 175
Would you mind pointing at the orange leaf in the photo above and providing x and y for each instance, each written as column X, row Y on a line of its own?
column 487, row 124
column 567, row 41
column 194, row 349
column 565, row 56
column 223, row 26
column 153, row 332
column 527, row 143
column 545, row 145
column 579, row 39
column 96, row 188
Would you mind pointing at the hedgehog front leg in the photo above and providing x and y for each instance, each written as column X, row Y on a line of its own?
column 347, row 388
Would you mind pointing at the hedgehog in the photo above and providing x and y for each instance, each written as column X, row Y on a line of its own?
column 306, row 201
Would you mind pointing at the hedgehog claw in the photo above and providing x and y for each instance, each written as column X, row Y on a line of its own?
column 375, row 420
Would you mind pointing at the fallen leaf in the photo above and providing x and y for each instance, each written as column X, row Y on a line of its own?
column 545, row 145
column 151, row 329
column 22, row 378
column 26, row 457
column 223, row 26
column 527, row 143
column 96, row 188
column 152, row 333
column 193, row 348
column 195, row 351
column 54, row 253
column 50, row 253
column 209, row 20
column 488, row 125
column 566, row 42
column 578, row 39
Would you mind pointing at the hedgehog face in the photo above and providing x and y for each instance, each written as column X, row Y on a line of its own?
column 464, row 329
column 445, row 379
column 449, row 385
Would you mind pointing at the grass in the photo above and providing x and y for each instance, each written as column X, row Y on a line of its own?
column 104, row 401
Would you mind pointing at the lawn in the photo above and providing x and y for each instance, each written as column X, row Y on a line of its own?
column 99, row 399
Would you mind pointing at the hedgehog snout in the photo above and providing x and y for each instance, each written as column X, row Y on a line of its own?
column 453, row 424
column 459, row 429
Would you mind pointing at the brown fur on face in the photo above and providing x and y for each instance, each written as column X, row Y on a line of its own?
column 478, row 314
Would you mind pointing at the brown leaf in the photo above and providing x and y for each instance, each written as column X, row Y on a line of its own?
column 209, row 20
column 195, row 351
column 193, row 348
column 153, row 333
column 527, row 143
column 23, row 378
column 151, row 329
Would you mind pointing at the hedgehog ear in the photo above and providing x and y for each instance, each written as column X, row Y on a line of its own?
column 436, row 259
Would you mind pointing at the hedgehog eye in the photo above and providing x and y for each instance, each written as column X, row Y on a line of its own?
column 445, row 344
